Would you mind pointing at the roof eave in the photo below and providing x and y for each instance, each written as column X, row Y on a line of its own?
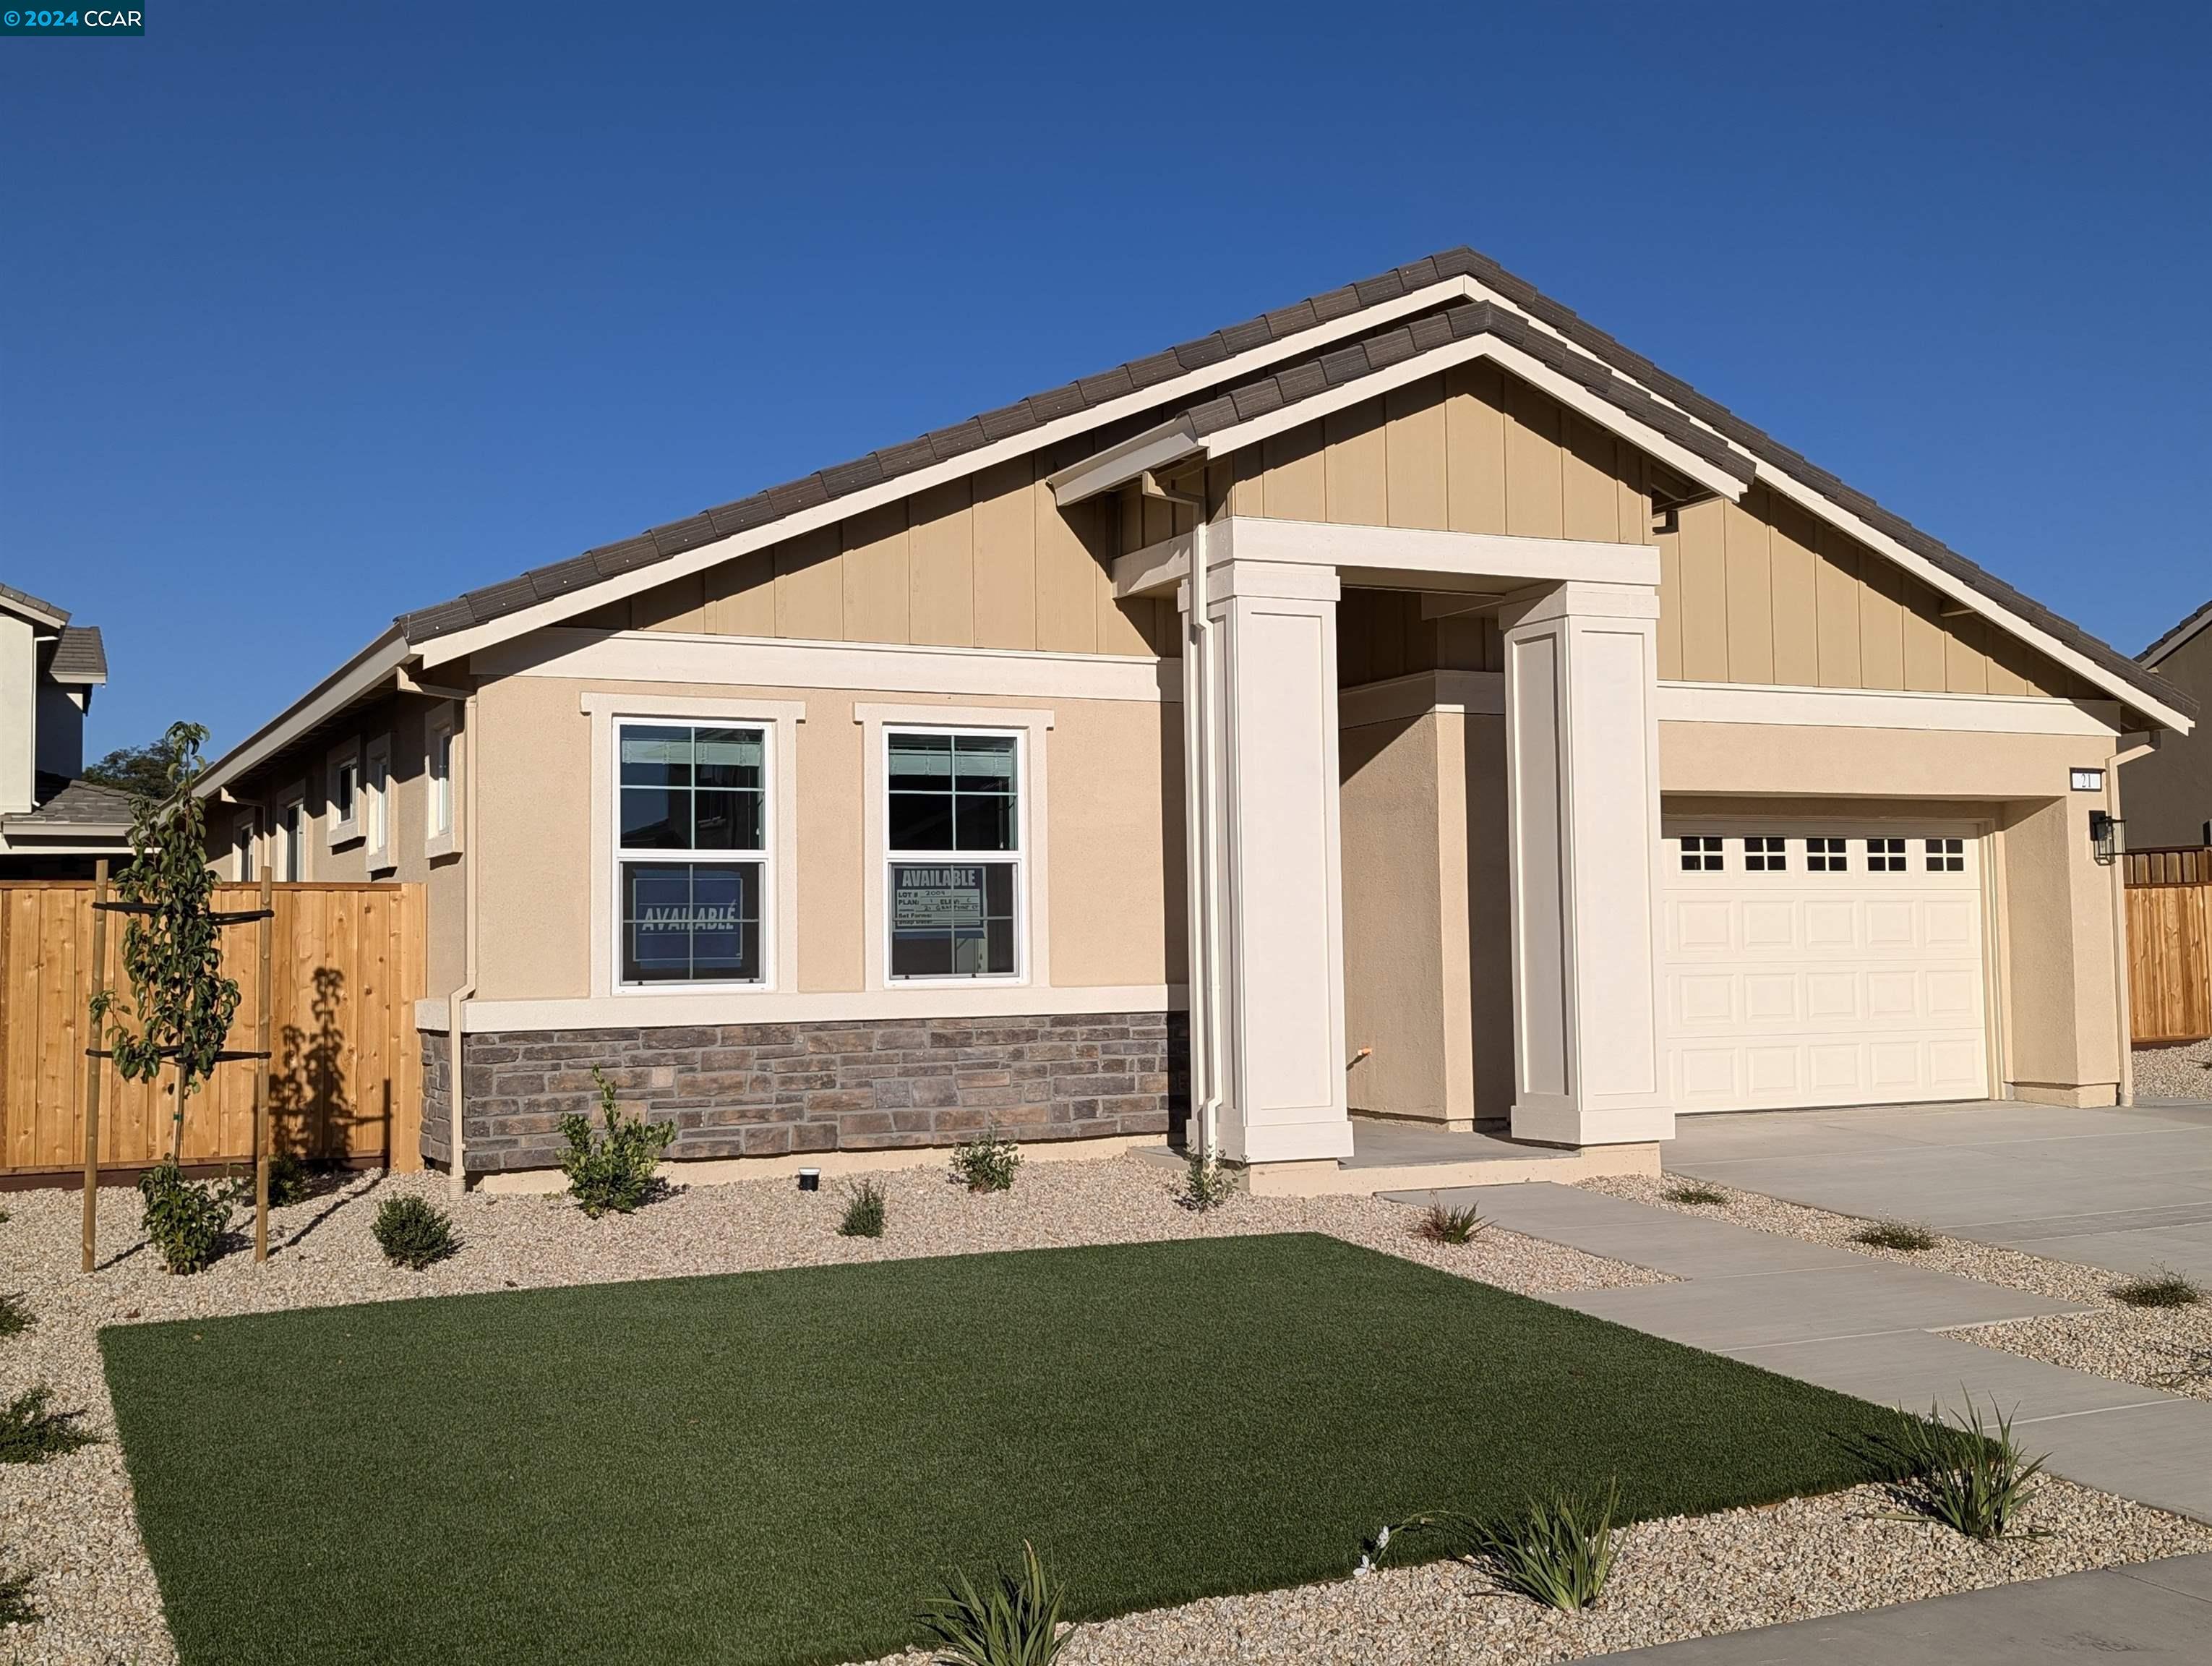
column 375, row 665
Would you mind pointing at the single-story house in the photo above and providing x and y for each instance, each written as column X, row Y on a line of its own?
column 1409, row 702
column 53, row 824
column 2169, row 787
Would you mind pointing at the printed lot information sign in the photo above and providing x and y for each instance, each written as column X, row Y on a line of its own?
column 923, row 898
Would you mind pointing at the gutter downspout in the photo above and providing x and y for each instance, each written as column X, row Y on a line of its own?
column 457, row 1100
column 1200, row 824
column 2125, row 1005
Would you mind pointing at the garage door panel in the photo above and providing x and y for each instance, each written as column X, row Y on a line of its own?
column 1859, row 979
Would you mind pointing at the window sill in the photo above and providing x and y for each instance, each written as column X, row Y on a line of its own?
column 441, row 844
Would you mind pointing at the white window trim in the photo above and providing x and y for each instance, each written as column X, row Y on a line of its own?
column 1018, row 856
column 252, row 853
column 779, row 720
column 293, row 797
column 346, row 831
column 436, row 841
column 377, row 851
column 1033, row 923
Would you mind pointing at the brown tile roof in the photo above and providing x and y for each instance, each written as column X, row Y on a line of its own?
column 79, row 656
column 25, row 600
column 66, row 803
column 662, row 543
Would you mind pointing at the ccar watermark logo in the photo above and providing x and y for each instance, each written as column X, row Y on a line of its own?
column 97, row 19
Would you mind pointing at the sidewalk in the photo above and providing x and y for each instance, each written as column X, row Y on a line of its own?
column 2151, row 1612
column 1868, row 1327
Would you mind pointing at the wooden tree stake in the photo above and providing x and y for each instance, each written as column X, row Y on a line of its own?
column 261, row 1129
column 94, row 1067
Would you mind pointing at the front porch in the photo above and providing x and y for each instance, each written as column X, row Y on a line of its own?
column 1466, row 939
column 1409, row 1157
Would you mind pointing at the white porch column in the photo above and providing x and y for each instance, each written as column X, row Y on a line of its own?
column 1278, row 1062
column 1581, row 737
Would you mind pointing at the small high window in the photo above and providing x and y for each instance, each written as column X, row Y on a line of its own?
column 1701, row 853
column 1885, row 855
column 1765, row 855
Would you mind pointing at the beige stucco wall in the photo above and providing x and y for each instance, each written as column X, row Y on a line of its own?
column 19, row 682
column 1427, row 974
column 2167, row 795
column 1112, row 849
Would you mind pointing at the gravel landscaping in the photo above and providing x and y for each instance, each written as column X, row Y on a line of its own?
column 1686, row 1577
column 2167, row 1349
column 71, row 1520
column 2174, row 1072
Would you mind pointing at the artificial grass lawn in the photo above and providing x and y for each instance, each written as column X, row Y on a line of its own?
column 779, row 1467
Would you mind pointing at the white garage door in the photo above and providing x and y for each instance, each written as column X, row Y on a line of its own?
column 1823, row 968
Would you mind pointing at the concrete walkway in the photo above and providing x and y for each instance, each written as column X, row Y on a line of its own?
column 2153, row 1611
column 2127, row 1189
column 1868, row 1328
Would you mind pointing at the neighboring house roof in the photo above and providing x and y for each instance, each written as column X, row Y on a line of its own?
column 2174, row 638
column 1566, row 342
column 79, row 656
column 63, row 803
column 21, row 602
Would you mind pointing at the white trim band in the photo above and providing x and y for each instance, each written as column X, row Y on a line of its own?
column 1884, row 708
column 924, row 1000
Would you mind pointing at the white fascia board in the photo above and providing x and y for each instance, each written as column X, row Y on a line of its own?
column 1959, row 590
column 1569, row 393
column 441, row 649
column 1795, row 707
column 1406, row 555
column 1118, row 466
column 374, row 665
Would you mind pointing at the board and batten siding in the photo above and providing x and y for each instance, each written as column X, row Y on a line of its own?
column 1760, row 592
column 1752, row 593
column 989, row 561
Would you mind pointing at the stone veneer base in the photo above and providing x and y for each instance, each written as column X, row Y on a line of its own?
column 774, row 1090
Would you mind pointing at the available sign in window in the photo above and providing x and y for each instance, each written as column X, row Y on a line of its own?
column 952, row 920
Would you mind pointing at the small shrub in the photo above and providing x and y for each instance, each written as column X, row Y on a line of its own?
column 15, row 1608
column 29, row 1433
column 2164, row 1288
column 1206, row 1186
column 290, row 1181
column 1696, row 1197
column 864, row 1211
column 987, row 1163
column 1902, row 1235
column 1014, row 1623
column 1446, row 1225
column 1558, row 1550
column 413, row 1232
column 1959, row 1473
column 185, row 1220
column 613, row 1173
column 15, row 1317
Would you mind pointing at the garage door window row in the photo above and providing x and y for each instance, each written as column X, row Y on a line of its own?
column 1707, row 852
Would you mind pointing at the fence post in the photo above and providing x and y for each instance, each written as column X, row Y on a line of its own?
column 261, row 1081
column 92, row 1070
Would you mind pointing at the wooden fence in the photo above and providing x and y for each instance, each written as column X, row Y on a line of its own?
column 345, row 1080
column 2170, row 944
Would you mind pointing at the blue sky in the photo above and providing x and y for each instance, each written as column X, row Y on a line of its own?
column 310, row 315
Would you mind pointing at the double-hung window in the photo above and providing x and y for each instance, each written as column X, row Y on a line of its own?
column 292, row 838
column 953, row 853
column 376, row 803
column 692, row 856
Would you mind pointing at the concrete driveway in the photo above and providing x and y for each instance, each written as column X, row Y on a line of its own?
column 2124, row 1188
